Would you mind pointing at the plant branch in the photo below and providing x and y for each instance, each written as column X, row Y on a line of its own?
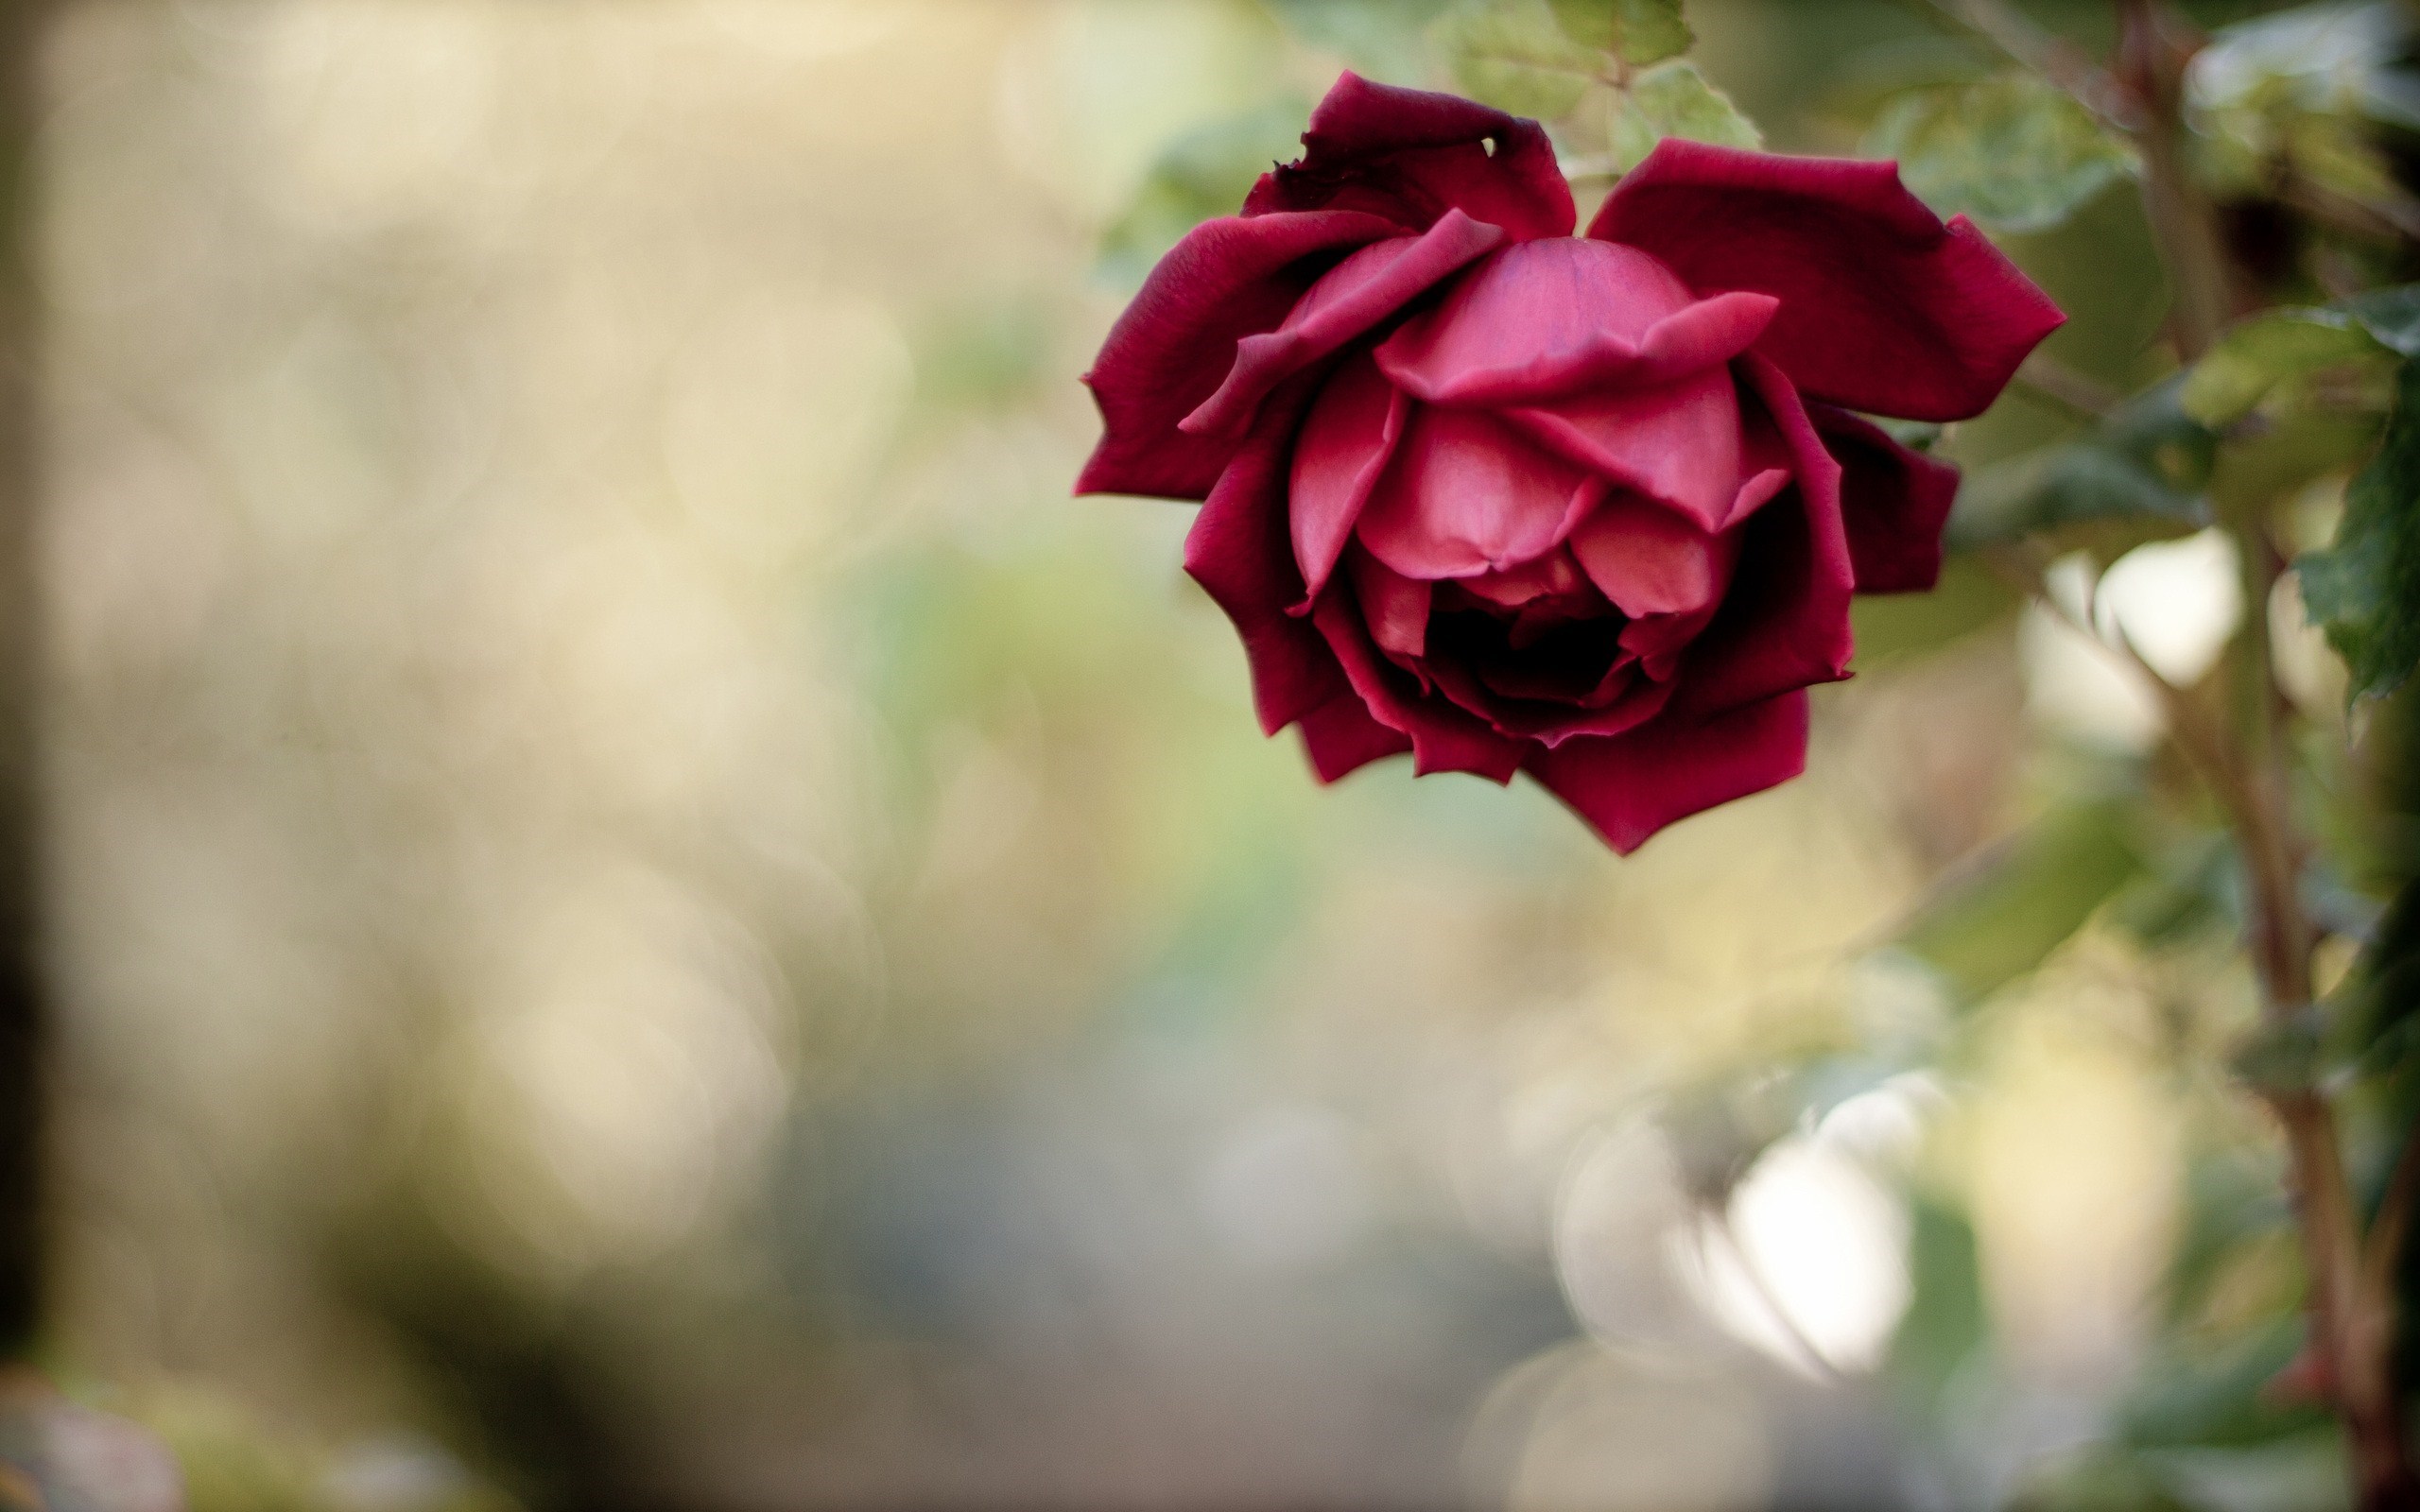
column 2046, row 54
column 2081, row 393
column 2152, row 52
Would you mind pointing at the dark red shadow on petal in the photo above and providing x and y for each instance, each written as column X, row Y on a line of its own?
column 1784, row 623
column 1365, row 289
column 1444, row 738
column 1175, row 344
column 1893, row 501
column 1629, row 787
column 1412, row 155
column 1239, row 551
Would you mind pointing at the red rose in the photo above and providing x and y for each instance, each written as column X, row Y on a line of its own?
column 1514, row 500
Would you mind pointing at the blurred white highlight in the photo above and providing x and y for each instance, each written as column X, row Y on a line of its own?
column 2177, row 602
column 1811, row 1259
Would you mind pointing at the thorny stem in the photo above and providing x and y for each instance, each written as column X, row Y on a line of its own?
column 2353, row 1323
column 2352, row 1297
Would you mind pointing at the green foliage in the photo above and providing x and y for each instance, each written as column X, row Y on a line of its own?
column 2146, row 460
column 2296, row 98
column 2004, row 914
column 1947, row 1324
column 1674, row 99
column 2011, row 151
column 1636, row 32
column 1514, row 55
column 1894, row 626
column 2256, row 355
column 1544, row 57
column 1385, row 40
column 2364, row 590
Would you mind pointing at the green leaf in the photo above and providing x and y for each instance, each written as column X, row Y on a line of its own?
column 1949, row 1322
column 2011, row 151
column 1385, row 40
column 1636, row 32
column 2392, row 316
column 2146, row 460
column 2258, row 355
column 1674, row 99
column 1515, row 56
column 2364, row 590
column 2002, row 917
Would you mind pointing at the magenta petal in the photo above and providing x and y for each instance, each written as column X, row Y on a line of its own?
column 1650, row 559
column 1444, row 738
column 1342, row 451
column 1542, row 320
column 1172, row 348
column 1680, row 443
column 1237, row 550
column 1467, row 493
column 1883, row 308
column 1632, row 785
column 1356, row 295
column 1785, row 622
column 1411, row 155
column 1893, row 501
column 1341, row 737
column 1394, row 608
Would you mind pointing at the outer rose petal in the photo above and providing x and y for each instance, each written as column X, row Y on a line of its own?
column 1342, row 453
column 1883, row 307
column 1340, row 736
column 1893, row 501
column 1356, row 295
column 1629, row 787
column 1237, row 550
column 1786, row 622
column 1226, row 280
column 1410, row 155
column 1444, row 738
column 1543, row 319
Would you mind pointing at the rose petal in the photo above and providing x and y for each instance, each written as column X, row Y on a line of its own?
column 1467, row 493
column 1894, row 502
column 1444, row 738
column 1394, row 608
column 1237, row 550
column 1339, row 736
column 1632, row 785
column 1553, row 575
column 1680, row 443
column 1355, row 295
column 1542, row 320
column 1410, row 156
column 1883, row 307
column 1172, row 348
column 1343, row 452
column 1784, row 623
column 1650, row 559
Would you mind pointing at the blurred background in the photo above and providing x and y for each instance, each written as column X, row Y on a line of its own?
column 644, row 913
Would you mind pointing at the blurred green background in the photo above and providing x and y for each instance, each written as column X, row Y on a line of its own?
column 649, row 915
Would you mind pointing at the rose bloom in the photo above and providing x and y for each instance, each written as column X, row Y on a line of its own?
column 1511, row 499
